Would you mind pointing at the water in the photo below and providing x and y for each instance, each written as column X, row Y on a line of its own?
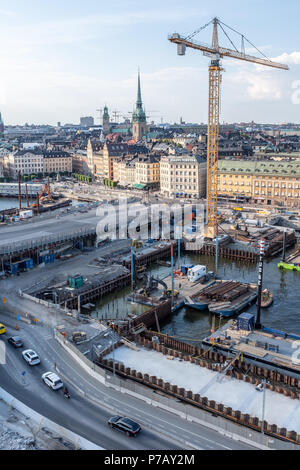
column 10, row 203
column 115, row 306
column 192, row 326
column 283, row 314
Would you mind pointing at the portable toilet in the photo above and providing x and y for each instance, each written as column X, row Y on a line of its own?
column 76, row 281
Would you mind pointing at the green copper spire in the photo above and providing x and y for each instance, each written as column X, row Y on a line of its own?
column 139, row 114
column 139, row 102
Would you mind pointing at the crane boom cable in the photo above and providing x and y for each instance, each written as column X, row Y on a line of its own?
column 228, row 37
column 197, row 31
column 245, row 38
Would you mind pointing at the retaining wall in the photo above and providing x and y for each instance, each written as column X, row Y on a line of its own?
column 181, row 408
column 279, row 382
column 79, row 441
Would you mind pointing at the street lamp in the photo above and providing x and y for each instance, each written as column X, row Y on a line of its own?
column 263, row 406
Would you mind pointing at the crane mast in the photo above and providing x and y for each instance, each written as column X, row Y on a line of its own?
column 213, row 138
column 216, row 53
column 213, row 148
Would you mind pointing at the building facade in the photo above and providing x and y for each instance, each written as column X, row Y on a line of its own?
column 265, row 182
column 183, row 175
column 148, row 170
column 37, row 161
column 87, row 121
column 80, row 163
column 57, row 162
column 127, row 171
column 111, row 152
column 95, row 159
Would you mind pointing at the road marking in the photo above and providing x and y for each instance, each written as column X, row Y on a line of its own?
column 118, row 402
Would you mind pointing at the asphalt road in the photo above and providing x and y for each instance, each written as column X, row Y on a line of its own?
column 48, row 227
column 87, row 416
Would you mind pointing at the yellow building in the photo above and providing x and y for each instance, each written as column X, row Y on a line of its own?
column 266, row 182
column 148, row 170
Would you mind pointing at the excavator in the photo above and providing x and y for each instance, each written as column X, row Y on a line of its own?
column 45, row 195
column 151, row 283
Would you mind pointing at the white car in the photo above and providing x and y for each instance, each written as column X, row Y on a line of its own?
column 52, row 380
column 31, row 357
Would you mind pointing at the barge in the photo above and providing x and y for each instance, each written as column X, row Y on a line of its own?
column 224, row 298
column 268, row 347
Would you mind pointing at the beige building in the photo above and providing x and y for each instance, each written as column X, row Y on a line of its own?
column 37, row 161
column 148, row 170
column 28, row 162
column 57, row 162
column 94, row 153
column 185, row 175
column 266, row 182
column 80, row 163
column 127, row 172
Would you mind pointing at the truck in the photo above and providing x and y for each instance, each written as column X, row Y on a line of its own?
column 196, row 273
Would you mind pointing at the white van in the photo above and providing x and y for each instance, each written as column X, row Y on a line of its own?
column 195, row 273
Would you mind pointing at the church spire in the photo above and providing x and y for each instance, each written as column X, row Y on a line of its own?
column 139, row 125
column 139, row 102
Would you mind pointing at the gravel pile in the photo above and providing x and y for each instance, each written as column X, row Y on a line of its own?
column 10, row 440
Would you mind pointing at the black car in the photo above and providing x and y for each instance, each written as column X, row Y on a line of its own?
column 125, row 424
column 16, row 341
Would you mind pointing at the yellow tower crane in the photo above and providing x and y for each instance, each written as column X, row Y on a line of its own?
column 216, row 53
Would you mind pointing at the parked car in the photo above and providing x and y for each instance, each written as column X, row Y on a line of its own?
column 31, row 357
column 2, row 329
column 16, row 341
column 127, row 425
column 52, row 380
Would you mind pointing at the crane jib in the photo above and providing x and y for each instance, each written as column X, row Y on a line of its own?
column 224, row 52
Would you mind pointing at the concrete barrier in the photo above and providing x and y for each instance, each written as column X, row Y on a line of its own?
column 184, row 410
column 80, row 442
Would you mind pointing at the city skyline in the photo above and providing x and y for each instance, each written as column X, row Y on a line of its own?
column 60, row 63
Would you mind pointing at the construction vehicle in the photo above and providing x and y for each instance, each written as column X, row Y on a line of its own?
column 216, row 53
column 45, row 195
column 151, row 284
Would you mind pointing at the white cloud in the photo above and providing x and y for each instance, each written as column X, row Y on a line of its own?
column 258, row 87
column 285, row 58
column 263, row 88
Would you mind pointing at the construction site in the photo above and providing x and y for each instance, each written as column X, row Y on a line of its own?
column 64, row 268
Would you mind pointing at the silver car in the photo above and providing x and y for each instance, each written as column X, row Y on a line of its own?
column 31, row 357
column 52, row 380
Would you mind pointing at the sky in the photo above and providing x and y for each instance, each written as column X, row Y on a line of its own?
column 64, row 59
